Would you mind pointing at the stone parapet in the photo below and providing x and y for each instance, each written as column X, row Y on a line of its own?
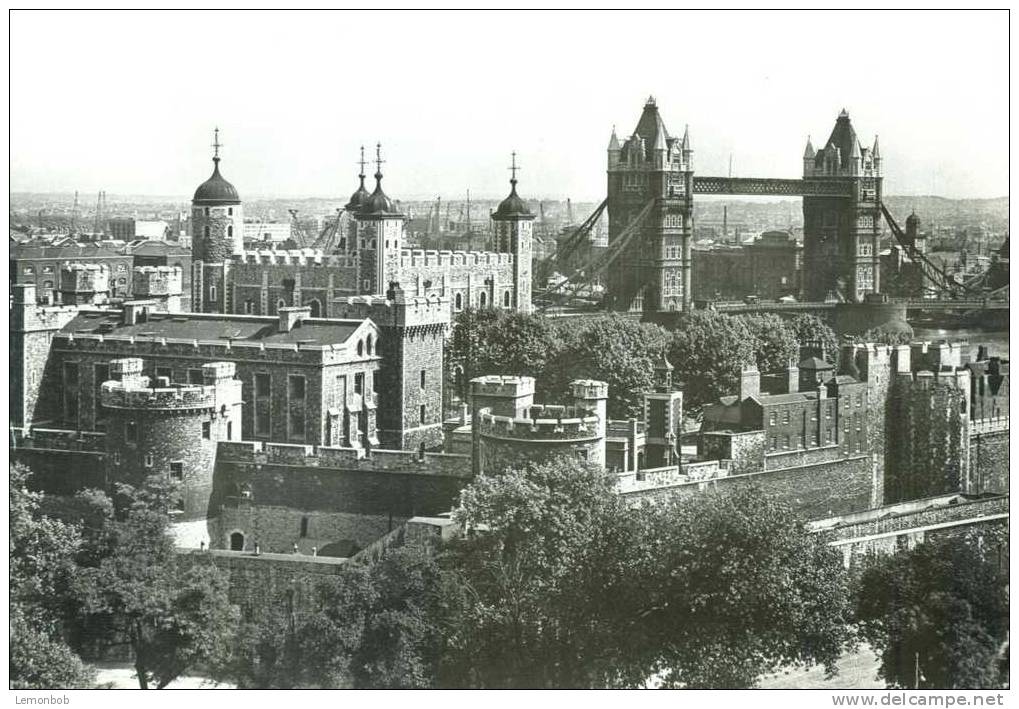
column 544, row 423
column 181, row 397
column 416, row 258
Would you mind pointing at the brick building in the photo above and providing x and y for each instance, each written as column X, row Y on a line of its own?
column 40, row 266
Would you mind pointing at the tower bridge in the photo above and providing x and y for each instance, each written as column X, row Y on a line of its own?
column 650, row 191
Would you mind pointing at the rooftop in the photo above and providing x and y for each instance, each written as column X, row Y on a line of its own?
column 213, row 327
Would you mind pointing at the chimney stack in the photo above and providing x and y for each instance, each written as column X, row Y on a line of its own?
column 749, row 382
column 291, row 316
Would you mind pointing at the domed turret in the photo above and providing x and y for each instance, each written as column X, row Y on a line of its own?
column 912, row 220
column 360, row 197
column 377, row 204
column 216, row 190
column 513, row 207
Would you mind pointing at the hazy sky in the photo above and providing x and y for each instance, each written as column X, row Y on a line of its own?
column 127, row 101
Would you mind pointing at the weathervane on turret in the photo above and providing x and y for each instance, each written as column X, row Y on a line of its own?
column 216, row 145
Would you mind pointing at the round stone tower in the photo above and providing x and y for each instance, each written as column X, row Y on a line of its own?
column 217, row 228
column 170, row 429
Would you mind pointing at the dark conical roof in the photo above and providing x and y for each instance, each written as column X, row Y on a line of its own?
column 651, row 127
column 216, row 190
column 843, row 137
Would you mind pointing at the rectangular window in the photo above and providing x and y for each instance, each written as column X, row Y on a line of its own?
column 340, row 392
column 195, row 376
column 263, row 404
column 304, row 527
column 70, row 391
column 148, row 460
column 176, row 470
column 295, row 406
column 422, row 413
column 423, row 371
column 785, row 416
column 131, row 432
column 206, row 430
column 359, row 383
column 771, row 419
column 786, row 441
column 102, row 374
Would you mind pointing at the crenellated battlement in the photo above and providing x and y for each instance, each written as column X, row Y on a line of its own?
column 926, row 379
column 497, row 385
column 334, row 457
column 294, row 257
column 404, row 311
column 117, row 395
column 84, row 276
column 422, row 258
column 548, row 422
column 149, row 281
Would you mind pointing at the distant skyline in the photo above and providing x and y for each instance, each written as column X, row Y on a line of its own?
column 126, row 101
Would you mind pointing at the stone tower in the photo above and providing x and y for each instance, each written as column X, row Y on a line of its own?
column 841, row 258
column 513, row 234
column 171, row 429
column 380, row 236
column 217, row 223
column 651, row 166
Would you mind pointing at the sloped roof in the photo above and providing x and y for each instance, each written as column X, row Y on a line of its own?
column 843, row 137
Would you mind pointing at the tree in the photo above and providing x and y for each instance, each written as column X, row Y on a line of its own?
column 708, row 350
column 171, row 610
column 810, row 328
column 775, row 343
column 42, row 551
column 740, row 590
column 937, row 615
column 615, row 349
column 889, row 334
column 370, row 626
column 470, row 351
column 536, row 594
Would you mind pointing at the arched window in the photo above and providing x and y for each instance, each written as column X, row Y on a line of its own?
column 506, row 299
column 280, row 304
column 236, row 542
column 230, row 230
column 360, row 348
column 369, row 344
column 459, row 301
column 212, row 293
column 316, row 307
column 483, row 300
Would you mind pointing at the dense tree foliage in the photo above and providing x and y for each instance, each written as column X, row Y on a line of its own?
column 615, row 349
column 810, row 328
column 42, row 554
column 563, row 585
column 368, row 626
column 775, row 343
column 171, row 610
column 740, row 589
column 539, row 592
column 611, row 348
column 708, row 350
column 937, row 614
column 888, row 335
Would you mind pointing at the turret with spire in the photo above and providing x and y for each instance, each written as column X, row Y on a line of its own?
column 513, row 227
column 216, row 211
column 360, row 196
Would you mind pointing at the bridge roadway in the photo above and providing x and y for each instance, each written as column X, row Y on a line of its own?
column 808, row 187
column 910, row 303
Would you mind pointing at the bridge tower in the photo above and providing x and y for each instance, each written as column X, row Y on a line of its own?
column 653, row 273
column 841, row 235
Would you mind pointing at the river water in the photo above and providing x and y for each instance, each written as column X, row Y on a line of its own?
column 997, row 340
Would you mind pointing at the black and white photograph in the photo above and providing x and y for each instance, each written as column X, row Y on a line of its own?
column 509, row 350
